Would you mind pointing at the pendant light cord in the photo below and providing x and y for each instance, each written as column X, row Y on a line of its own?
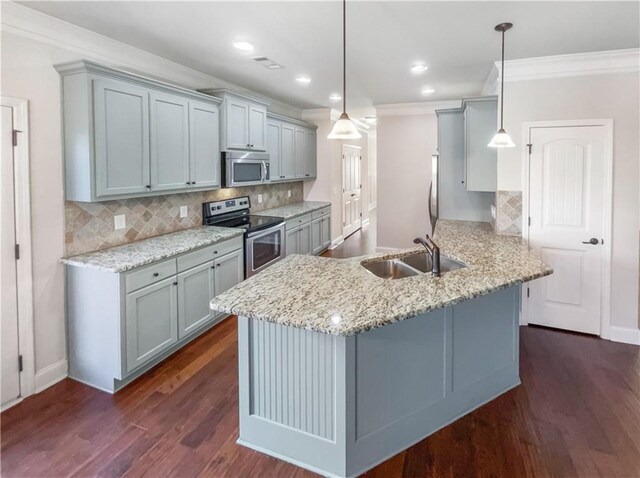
column 502, row 86
column 344, row 56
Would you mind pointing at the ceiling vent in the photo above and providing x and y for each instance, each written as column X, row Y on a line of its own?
column 268, row 63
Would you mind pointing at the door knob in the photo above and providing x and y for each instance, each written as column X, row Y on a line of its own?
column 352, row 195
column 593, row 241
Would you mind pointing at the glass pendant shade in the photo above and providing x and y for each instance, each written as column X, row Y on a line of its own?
column 344, row 129
column 501, row 140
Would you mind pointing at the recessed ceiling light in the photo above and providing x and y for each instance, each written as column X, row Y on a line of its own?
column 370, row 120
column 335, row 97
column 304, row 79
column 427, row 90
column 243, row 45
column 419, row 68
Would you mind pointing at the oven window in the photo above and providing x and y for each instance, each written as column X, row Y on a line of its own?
column 266, row 248
column 247, row 172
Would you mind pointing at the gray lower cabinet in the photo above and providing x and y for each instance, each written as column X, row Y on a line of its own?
column 309, row 234
column 195, row 291
column 121, row 125
column 128, row 136
column 122, row 324
column 152, row 321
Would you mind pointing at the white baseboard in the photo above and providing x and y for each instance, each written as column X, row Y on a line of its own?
column 336, row 242
column 365, row 224
column 625, row 335
column 51, row 375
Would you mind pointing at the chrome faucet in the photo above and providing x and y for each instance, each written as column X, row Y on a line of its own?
column 433, row 251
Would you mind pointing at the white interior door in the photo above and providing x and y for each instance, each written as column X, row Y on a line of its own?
column 351, row 189
column 8, row 283
column 567, row 217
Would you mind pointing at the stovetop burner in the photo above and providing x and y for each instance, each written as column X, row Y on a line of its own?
column 235, row 213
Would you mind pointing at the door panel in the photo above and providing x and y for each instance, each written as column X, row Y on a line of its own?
column 258, row 128
column 121, row 137
column 169, row 142
column 292, row 241
column 195, row 291
column 305, row 239
column 237, row 124
column 567, row 167
column 8, row 280
column 351, row 210
column 316, row 235
column 326, row 231
column 229, row 271
column 204, row 151
column 151, row 322
column 287, row 161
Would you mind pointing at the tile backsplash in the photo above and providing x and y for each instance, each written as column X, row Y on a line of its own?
column 508, row 213
column 90, row 226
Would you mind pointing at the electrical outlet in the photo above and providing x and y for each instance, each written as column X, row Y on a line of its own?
column 120, row 221
column 183, row 211
column 288, row 193
column 259, row 198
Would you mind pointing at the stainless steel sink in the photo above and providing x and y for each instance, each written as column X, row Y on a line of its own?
column 390, row 269
column 422, row 262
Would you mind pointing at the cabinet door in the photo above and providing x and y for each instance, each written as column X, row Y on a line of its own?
column 236, row 124
column 287, row 152
column 229, row 271
column 326, row 231
column 310, row 163
column 300, row 154
column 151, row 322
column 258, row 128
column 195, row 291
column 293, row 240
column 273, row 148
column 121, row 124
column 204, row 141
column 305, row 239
column 481, row 160
column 169, row 142
column 316, row 235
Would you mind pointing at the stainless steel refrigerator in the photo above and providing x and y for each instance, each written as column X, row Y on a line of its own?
column 433, row 192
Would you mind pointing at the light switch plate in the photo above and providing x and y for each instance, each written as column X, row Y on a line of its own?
column 288, row 193
column 259, row 198
column 183, row 211
column 120, row 221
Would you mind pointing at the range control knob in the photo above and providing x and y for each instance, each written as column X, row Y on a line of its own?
column 218, row 207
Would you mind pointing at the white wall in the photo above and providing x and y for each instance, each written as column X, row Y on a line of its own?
column 590, row 97
column 28, row 73
column 404, row 148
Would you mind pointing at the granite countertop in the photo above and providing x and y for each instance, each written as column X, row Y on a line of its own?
column 340, row 297
column 293, row 210
column 139, row 253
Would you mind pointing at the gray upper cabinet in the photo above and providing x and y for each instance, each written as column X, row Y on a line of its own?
column 243, row 122
column 291, row 145
column 130, row 136
column 169, row 142
column 204, row 145
column 121, row 138
column 481, row 163
column 152, row 322
column 274, row 133
column 287, row 159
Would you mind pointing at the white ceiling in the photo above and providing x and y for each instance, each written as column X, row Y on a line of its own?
column 456, row 40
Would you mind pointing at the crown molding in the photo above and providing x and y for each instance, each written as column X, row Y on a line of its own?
column 28, row 23
column 417, row 108
column 289, row 119
column 578, row 64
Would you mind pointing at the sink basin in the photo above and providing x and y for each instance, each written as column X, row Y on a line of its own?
column 390, row 269
column 422, row 262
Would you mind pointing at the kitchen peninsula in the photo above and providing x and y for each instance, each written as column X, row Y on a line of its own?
column 340, row 369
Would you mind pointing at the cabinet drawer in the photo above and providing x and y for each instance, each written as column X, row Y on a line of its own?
column 150, row 274
column 208, row 253
column 321, row 212
column 297, row 221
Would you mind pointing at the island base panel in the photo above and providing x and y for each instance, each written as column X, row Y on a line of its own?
column 339, row 405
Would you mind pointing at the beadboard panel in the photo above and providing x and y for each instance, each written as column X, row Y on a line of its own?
column 292, row 378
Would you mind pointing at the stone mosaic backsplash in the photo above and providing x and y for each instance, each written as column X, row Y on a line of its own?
column 90, row 226
column 509, row 213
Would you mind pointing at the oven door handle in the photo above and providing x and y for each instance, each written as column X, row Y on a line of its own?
column 264, row 232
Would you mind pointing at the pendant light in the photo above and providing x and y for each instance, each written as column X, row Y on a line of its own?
column 502, row 139
column 344, row 127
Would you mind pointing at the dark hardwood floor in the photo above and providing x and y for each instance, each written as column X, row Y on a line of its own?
column 577, row 413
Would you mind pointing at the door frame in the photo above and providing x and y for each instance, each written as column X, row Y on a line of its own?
column 355, row 146
column 24, row 271
column 607, row 124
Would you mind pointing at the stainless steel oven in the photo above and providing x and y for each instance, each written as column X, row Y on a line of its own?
column 263, row 248
column 245, row 168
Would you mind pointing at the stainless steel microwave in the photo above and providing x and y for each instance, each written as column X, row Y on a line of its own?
column 245, row 168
